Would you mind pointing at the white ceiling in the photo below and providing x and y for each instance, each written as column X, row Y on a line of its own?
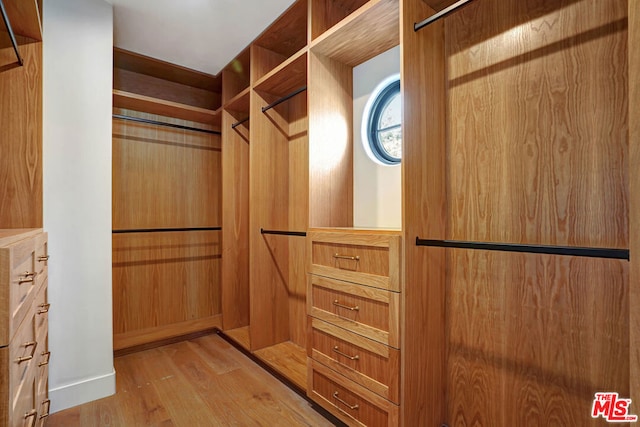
column 204, row 35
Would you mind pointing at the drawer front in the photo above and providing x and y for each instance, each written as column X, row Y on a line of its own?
column 349, row 401
column 361, row 309
column 24, row 410
column 368, row 259
column 23, row 354
column 366, row 362
column 18, row 284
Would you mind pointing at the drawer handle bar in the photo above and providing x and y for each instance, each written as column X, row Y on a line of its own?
column 349, row 257
column 337, row 304
column 352, row 407
column 31, row 414
column 43, row 258
column 48, row 355
column 33, row 345
column 26, row 278
column 48, row 403
column 337, row 350
column 44, row 308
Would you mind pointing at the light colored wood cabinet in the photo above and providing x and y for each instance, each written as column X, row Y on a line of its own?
column 354, row 330
column 24, row 347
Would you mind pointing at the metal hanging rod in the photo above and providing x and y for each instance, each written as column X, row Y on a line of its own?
column 236, row 124
column 12, row 36
column 441, row 14
column 284, row 233
column 155, row 122
column 534, row 249
column 284, row 98
column 164, row 230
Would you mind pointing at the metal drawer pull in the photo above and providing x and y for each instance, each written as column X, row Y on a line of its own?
column 337, row 304
column 31, row 414
column 43, row 258
column 26, row 277
column 46, row 413
column 335, row 396
column 48, row 355
column 44, row 308
column 349, row 257
column 33, row 346
column 337, row 350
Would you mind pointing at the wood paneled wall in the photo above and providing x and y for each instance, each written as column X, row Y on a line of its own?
column 537, row 153
column 634, row 203
column 279, row 201
column 20, row 135
column 424, row 169
column 165, row 284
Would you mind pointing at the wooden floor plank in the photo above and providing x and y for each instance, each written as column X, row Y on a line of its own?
column 202, row 382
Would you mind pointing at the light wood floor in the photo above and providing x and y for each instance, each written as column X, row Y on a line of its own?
column 202, row 382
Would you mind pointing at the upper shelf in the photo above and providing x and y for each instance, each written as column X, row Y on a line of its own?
column 290, row 75
column 161, row 107
column 365, row 33
column 240, row 102
column 24, row 16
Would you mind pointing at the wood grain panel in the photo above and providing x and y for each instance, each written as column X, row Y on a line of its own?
column 330, row 143
column 634, row 204
column 424, row 214
column 327, row 13
column 24, row 16
column 164, row 177
column 156, row 106
column 286, row 77
column 165, row 278
column 142, row 84
column 263, row 60
column 235, row 223
column 269, row 255
column 366, row 33
column 236, row 75
column 532, row 337
column 287, row 34
column 532, row 160
column 21, row 138
column 287, row 358
column 132, row 61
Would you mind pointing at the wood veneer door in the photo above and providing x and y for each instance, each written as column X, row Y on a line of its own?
column 537, row 153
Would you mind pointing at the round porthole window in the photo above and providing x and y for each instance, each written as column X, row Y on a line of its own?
column 382, row 123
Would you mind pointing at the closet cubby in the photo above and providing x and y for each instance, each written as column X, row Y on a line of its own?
column 25, row 18
column 236, row 76
column 366, row 32
column 282, row 40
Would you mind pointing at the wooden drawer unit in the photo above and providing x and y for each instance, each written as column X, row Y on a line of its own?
column 366, row 362
column 350, row 402
column 19, row 281
column 24, row 307
column 364, row 310
column 370, row 258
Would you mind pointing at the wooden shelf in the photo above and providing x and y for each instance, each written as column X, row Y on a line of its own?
column 240, row 102
column 24, row 16
column 161, row 107
column 288, row 76
column 367, row 32
column 289, row 359
column 288, row 33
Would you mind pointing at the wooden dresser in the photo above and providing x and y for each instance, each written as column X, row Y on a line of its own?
column 24, row 352
column 353, row 343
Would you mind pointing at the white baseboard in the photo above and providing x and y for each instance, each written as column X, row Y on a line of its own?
column 81, row 392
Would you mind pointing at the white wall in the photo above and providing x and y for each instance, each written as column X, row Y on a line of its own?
column 377, row 189
column 78, row 39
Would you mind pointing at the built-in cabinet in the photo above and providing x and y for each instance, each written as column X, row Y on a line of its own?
column 24, row 331
column 518, row 143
